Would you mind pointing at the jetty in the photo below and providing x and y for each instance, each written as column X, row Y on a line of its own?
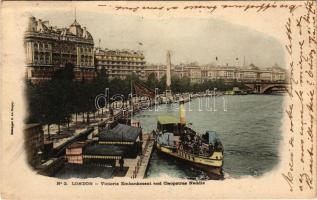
column 137, row 168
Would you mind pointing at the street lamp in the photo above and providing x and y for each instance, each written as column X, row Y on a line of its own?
column 156, row 96
column 107, row 97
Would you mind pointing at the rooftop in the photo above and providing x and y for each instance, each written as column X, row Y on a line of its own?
column 43, row 27
column 167, row 119
column 118, row 52
column 120, row 133
column 79, row 144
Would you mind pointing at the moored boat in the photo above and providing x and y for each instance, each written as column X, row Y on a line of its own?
column 179, row 141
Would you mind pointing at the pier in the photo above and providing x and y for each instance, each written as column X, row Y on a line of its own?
column 137, row 168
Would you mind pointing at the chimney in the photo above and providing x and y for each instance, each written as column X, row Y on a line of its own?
column 182, row 117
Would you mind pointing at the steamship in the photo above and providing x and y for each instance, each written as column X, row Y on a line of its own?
column 177, row 140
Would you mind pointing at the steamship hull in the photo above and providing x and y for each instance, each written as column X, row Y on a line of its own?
column 211, row 164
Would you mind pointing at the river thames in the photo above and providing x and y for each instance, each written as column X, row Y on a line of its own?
column 249, row 127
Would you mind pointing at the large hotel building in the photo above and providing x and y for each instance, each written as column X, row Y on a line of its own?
column 120, row 63
column 49, row 48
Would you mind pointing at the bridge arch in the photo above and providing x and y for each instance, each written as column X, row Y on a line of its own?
column 261, row 88
column 267, row 88
column 254, row 87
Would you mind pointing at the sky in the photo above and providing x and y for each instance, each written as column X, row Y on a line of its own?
column 188, row 39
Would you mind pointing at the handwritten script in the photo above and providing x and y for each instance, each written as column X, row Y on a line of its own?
column 210, row 8
column 301, row 48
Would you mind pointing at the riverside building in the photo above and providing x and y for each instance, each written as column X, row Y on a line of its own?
column 246, row 73
column 120, row 63
column 49, row 48
column 198, row 74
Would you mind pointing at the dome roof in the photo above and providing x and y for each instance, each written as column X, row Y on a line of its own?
column 76, row 29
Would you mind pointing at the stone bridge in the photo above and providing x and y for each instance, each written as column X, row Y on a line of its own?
column 265, row 87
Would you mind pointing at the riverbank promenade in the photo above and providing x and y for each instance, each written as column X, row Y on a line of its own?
column 137, row 167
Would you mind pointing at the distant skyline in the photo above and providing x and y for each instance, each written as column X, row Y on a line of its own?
column 189, row 39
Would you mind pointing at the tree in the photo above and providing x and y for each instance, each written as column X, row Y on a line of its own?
column 62, row 88
column 101, row 80
column 51, row 102
column 77, row 99
column 162, row 84
column 185, row 85
column 41, row 104
column 101, row 83
column 152, row 81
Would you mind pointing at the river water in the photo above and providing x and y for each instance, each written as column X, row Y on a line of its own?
column 249, row 127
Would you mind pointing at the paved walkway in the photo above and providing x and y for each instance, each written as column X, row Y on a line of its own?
column 63, row 140
column 138, row 166
column 77, row 131
column 145, row 160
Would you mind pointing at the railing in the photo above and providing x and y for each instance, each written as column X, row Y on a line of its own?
column 264, row 81
column 137, row 167
column 139, row 163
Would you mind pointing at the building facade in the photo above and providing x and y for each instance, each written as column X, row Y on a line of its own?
column 180, row 71
column 158, row 70
column 248, row 73
column 194, row 74
column 120, row 63
column 198, row 74
column 50, row 48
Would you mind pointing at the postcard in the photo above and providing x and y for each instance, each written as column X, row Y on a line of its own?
column 158, row 100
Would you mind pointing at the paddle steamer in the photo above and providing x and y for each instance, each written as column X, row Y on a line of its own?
column 174, row 138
